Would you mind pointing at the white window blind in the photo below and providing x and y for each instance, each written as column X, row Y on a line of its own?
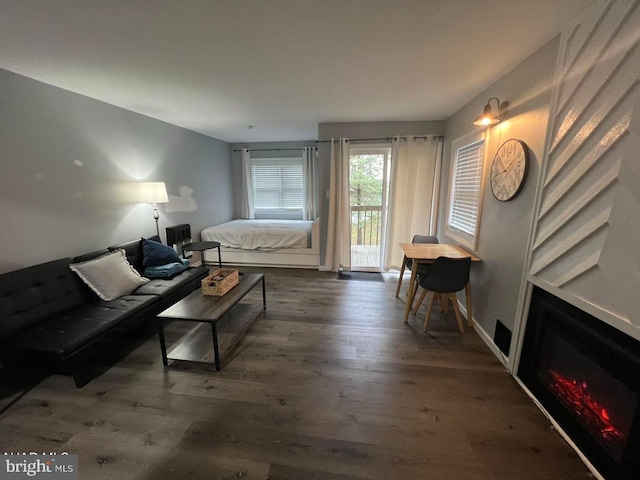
column 466, row 185
column 278, row 184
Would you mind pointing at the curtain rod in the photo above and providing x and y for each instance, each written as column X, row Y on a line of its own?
column 327, row 141
column 271, row 149
column 382, row 138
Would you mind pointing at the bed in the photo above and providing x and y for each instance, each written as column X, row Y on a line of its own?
column 266, row 243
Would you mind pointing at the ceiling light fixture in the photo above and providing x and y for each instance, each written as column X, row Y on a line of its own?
column 488, row 117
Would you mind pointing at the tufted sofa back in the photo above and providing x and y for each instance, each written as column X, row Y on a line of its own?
column 133, row 251
column 33, row 294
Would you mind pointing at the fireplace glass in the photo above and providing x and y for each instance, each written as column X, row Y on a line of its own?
column 586, row 374
column 603, row 405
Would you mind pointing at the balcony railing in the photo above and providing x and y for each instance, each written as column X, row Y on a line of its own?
column 366, row 224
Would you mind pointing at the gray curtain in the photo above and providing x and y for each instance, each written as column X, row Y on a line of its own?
column 247, row 186
column 309, row 166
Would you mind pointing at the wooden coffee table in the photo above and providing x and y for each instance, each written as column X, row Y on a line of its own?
column 228, row 318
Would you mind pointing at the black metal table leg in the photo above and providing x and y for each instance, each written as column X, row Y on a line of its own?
column 219, row 257
column 264, row 295
column 216, row 352
column 163, row 345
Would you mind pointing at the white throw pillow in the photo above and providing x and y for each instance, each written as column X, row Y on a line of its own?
column 110, row 275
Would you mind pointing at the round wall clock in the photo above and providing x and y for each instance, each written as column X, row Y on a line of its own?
column 509, row 170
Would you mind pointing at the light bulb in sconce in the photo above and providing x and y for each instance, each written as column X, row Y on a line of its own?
column 488, row 117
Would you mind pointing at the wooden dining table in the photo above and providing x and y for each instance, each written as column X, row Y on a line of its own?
column 426, row 253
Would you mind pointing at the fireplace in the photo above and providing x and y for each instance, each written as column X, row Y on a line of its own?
column 586, row 374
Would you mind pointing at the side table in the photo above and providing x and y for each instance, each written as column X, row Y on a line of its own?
column 201, row 247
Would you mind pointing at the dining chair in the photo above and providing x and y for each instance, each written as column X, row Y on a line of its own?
column 421, row 239
column 421, row 268
column 444, row 278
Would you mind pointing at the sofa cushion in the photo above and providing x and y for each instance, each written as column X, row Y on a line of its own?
column 65, row 333
column 172, row 290
column 110, row 275
column 31, row 295
column 155, row 254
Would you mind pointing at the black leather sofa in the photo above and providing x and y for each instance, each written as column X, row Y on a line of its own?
column 49, row 318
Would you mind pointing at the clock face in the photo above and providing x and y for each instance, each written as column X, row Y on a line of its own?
column 509, row 170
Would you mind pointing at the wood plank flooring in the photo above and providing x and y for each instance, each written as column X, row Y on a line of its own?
column 328, row 384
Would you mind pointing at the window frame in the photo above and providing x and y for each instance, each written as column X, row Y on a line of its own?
column 467, row 240
column 296, row 213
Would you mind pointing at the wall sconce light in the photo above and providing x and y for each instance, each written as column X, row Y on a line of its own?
column 488, row 117
column 153, row 193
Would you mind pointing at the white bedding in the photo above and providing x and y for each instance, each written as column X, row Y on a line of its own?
column 263, row 235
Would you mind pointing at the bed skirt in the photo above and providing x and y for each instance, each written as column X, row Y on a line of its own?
column 284, row 258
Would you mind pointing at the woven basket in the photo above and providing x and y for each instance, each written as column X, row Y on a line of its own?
column 219, row 282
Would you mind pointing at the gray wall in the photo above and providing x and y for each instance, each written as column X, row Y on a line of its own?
column 68, row 163
column 505, row 226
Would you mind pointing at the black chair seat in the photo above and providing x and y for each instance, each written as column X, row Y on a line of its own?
column 444, row 278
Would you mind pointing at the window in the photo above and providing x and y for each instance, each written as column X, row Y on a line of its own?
column 466, row 190
column 278, row 187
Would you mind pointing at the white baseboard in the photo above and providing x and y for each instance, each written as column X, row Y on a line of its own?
column 486, row 338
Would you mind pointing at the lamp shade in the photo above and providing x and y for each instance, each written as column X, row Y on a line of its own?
column 488, row 117
column 152, row 192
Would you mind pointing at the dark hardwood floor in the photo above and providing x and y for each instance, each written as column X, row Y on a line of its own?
column 329, row 384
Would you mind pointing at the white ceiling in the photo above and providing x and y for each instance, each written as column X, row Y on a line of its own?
column 282, row 66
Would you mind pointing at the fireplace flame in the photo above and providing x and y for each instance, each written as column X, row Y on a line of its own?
column 575, row 396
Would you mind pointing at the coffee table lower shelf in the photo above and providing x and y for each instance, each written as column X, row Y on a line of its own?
column 209, row 343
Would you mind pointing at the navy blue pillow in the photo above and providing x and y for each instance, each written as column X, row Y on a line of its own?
column 155, row 254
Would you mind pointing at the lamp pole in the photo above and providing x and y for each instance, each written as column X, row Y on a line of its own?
column 156, row 216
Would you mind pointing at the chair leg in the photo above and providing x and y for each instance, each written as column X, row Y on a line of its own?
column 428, row 315
column 420, row 300
column 415, row 292
column 456, row 309
column 408, row 292
column 443, row 303
column 469, row 306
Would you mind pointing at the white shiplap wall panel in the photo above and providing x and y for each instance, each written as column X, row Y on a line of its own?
column 587, row 240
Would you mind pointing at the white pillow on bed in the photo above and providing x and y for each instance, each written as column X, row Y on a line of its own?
column 110, row 275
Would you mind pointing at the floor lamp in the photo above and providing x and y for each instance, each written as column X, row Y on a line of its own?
column 153, row 193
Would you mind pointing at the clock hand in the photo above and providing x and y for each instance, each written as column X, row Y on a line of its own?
column 503, row 171
column 500, row 164
column 512, row 165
